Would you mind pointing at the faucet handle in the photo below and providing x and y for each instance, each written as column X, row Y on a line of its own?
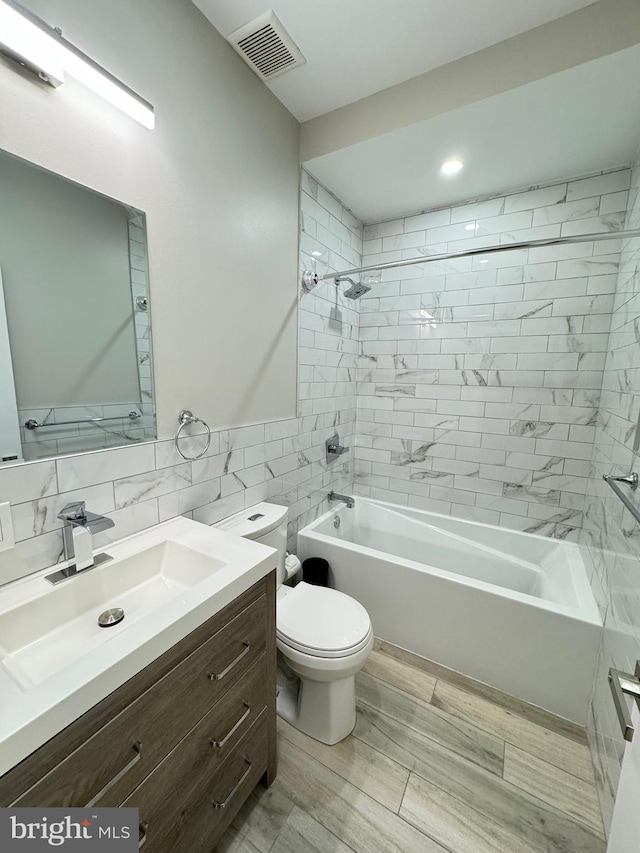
column 74, row 512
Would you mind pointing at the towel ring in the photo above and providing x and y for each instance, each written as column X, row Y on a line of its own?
column 186, row 417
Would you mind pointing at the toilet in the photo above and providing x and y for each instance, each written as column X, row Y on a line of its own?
column 323, row 636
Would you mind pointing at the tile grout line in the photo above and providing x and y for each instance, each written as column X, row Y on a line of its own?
column 425, row 834
column 433, row 692
column 406, row 785
column 395, row 686
column 364, row 793
column 555, row 766
column 350, row 781
column 519, row 790
column 476, row 811
column 452, row 719
column 426, row 737
column 505, row 743
column 275, row 840
column 573, row 817
column 506, row 740
column 470, row 689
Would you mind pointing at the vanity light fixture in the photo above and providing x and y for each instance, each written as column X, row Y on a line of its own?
column 452, row 167
column 40, row 48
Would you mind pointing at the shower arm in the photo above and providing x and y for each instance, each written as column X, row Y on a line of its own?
column 310, row 278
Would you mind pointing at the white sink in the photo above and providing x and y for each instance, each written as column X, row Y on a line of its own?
column 56, row 662
column 46, row 634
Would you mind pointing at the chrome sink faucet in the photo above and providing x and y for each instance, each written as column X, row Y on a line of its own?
column 80, row 525
column 334, row 496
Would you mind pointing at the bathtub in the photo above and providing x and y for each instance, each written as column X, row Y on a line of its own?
column 512, row 610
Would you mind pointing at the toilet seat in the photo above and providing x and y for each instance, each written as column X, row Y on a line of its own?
column 285, row 644
column 322, row 622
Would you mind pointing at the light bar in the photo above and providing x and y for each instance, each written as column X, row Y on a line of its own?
column 42, row 48
column 25, row 41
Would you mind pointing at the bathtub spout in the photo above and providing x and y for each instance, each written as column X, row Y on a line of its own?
column 334, row 496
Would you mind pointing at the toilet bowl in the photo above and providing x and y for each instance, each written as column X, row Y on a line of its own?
column 323, row 636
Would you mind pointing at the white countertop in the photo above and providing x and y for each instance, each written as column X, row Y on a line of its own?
column 32, row 714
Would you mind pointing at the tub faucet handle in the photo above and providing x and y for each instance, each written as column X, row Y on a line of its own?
column 334, row 448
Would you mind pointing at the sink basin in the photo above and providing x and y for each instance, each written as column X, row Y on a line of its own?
column 46, row 634
column 56, row 662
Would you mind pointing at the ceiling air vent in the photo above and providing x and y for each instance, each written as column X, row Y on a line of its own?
column 266, row 46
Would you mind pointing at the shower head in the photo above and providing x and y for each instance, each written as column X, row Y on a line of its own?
column 357, row 289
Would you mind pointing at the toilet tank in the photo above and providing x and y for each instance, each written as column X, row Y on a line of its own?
column 264, row 523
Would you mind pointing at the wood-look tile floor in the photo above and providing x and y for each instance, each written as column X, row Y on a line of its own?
column 435, row 763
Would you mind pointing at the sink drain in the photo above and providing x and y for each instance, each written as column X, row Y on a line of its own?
column 111, row 617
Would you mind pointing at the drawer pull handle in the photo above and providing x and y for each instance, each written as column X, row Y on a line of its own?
column 235, row 788
column 220, row 743
column 218, row 676
column 142, row 836
column 137, row 746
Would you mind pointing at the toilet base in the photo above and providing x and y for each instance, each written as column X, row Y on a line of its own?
column 325, row 710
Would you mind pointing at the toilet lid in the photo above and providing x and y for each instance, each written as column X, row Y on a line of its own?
column 322, row 620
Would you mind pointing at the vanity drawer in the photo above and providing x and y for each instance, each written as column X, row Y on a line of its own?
column 107, row 767
column 175, row 817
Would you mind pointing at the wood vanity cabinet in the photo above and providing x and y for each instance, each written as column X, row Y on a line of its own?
column 185, row 740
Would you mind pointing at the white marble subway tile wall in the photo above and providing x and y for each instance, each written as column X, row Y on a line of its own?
column 330, row 240
column 281, row 461
column 479, row 378
column 610, row 537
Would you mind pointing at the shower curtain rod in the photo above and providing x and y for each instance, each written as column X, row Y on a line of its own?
column 310, row 278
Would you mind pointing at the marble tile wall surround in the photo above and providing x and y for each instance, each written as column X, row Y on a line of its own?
column 610, row 537
column 479, row 378
column 141, row 485
column 282, row 461
column 330, row 240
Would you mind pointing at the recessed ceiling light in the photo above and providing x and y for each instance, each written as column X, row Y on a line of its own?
column 472, row 226
column 451, row 167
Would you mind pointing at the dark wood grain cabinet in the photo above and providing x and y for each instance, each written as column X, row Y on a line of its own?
column 184, row 741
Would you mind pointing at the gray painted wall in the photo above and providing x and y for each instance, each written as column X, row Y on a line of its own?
column 218, row 179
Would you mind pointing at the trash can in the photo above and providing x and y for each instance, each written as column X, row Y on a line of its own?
column 315, row 571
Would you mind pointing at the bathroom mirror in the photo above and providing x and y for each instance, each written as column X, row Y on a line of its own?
column 75, row 338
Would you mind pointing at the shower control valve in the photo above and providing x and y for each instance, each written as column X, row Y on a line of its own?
column 334, row 448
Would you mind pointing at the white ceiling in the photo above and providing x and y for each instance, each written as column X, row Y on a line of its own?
column 580, row 121
column 354, row 48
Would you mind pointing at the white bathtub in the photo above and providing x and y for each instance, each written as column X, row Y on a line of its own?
column 510, row 609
